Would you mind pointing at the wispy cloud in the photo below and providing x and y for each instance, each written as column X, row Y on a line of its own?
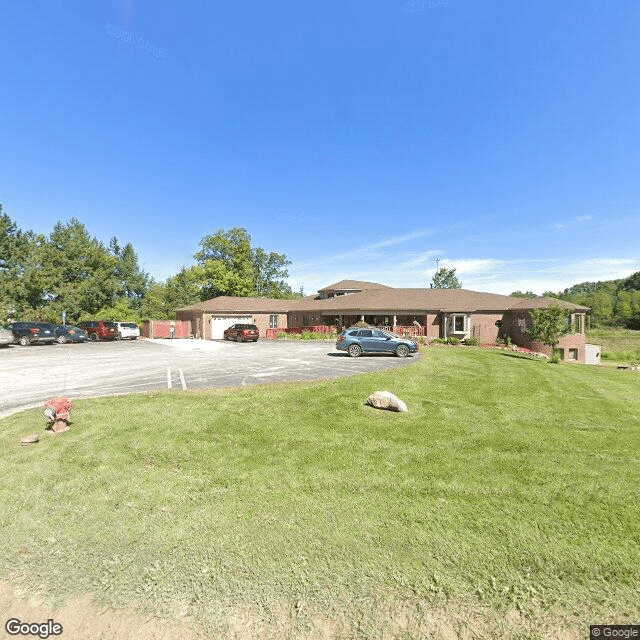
column 371, row 250
column 479, row 274
column 561, row 226
column 583, row 218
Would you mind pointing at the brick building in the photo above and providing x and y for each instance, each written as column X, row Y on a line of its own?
column 434, row 313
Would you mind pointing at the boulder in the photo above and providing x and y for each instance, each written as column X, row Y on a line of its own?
column 386, row 400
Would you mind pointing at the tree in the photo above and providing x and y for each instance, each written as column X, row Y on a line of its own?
column 445, row 279
column 134, row 282
column 181, row 290
column 80, row 272
column 228, row 265
column 549, row 325
column 520, row 294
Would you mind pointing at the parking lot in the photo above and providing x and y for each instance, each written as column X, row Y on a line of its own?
column 31, row 375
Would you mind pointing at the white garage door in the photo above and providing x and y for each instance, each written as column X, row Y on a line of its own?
column 219, row 324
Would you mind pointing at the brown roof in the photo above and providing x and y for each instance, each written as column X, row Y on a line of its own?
column 542, row 303
column 449, row 300
column 232, row 304
column 382, row 299
column 354, row 285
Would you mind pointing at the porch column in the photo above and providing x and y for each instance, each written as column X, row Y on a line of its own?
column 444, row 322
column 362, row 318
column 395, row 320
column 340, row 321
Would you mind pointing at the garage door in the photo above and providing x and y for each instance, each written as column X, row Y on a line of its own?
column 219, row 324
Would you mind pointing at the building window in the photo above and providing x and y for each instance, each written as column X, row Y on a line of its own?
column 305, row 321
column 273, row 322
column 459, row 324
column 573, row 354
column 522, row 323
column 578, row 324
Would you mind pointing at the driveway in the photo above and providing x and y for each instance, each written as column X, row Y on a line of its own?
column 31, row 375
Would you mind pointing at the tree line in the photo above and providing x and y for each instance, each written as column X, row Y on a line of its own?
column 611, row 302
column 69, row 270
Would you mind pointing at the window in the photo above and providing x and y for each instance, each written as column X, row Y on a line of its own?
column 459, row 323
column 366, row 333
column 578, row 324
column 273, row 321
column 522, row 323
column 305, row 321
column 573, row 354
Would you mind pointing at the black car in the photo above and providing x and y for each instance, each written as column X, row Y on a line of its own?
column 69, row 333
column 27, row 333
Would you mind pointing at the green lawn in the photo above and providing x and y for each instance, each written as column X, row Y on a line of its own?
column 618, row 345
column 505, row 504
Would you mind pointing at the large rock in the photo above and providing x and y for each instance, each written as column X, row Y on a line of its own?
column 386, row 400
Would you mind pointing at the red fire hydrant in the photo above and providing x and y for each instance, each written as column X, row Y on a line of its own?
column 57, row 410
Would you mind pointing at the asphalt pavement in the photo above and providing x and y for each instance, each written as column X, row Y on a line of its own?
column 29, row 376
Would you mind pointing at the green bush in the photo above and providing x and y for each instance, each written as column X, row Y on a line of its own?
column 283, row 335
column 472, row 342
column 453, row 341
column 438, row 341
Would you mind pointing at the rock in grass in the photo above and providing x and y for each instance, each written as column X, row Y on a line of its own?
column 29, row 439
column 386, row 400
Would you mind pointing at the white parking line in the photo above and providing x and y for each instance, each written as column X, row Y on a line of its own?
column 184, row 384
column 168, row 377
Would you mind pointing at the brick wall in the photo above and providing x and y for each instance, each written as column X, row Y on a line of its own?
column 261, row 320
column 514, row 330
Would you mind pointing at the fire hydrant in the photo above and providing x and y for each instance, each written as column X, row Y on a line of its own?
column 57, row 411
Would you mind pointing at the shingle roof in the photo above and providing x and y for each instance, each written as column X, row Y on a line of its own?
column 449, row 300
column 541, row 303
column 232, row 304
column 382, row 299
column 357, row 285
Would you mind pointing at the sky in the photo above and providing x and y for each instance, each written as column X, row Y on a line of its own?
column 362, row 139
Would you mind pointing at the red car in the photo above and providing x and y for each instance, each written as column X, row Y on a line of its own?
column 242, row 333
column 100, row 329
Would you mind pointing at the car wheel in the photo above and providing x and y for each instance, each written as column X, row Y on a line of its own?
column 355, row 350
column 62, row 339
column 402, row 351
column 24, row 341
column 93, row 337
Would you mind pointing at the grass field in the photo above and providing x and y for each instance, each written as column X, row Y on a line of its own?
column 619, row 345
column 505, row 504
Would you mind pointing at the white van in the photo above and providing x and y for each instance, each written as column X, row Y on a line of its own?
column 128, row 330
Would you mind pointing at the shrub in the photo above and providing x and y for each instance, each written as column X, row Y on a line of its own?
column 438, row 340
column 472, row 342
column 282, row 335
column 453, row 341
column 361, row 324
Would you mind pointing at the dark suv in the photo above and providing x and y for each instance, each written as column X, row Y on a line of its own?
column 100, row 329
column 242, row 333
column 27, row 333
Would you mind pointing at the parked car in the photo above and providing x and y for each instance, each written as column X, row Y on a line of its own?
column 27, row 333
column 100, row 329
column 356, row 341
column 128, row 330
column 242, row 333
column 69, row 333
column 6, row 336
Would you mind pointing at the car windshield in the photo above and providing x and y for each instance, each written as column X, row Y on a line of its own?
column 111, row 325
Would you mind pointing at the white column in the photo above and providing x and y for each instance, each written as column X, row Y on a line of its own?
column 395, row 321
column 362, row 318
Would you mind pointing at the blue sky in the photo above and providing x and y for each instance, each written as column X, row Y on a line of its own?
column 363, row 139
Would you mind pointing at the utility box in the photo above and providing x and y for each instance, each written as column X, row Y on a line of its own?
column 592, row 353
